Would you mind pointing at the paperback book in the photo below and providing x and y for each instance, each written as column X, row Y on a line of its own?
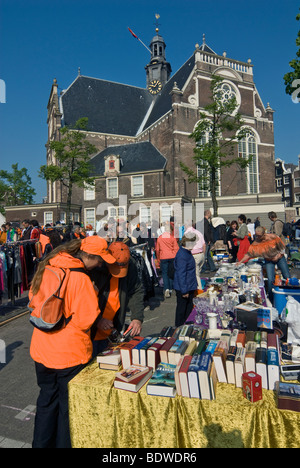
column 162, row 382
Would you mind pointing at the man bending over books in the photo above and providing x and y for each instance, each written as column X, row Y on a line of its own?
column 119, row 288
column 272, row 249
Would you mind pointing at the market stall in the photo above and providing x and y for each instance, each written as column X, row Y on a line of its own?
column 104, row 416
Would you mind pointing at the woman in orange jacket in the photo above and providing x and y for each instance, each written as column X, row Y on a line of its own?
column 59, row 355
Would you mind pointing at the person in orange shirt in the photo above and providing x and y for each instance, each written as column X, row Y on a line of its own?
column 59, row 355
column 166, row 250
column 119, row 287
column 272, row 249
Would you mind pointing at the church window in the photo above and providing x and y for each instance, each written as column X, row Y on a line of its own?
column 203, row 191
column 247, row 148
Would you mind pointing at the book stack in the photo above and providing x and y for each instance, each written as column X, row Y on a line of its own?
column 133, row 378
column 109, row 359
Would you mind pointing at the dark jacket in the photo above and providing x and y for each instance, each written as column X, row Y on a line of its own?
column 185, row 271
column 208, row 233
column 131, row 293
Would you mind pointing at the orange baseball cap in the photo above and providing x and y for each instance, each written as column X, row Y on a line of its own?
column 96, row 245
column 121, row 253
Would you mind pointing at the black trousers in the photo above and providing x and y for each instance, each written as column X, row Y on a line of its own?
column 183, row 308
column 51, row 428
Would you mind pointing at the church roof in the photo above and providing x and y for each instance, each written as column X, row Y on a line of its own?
column 135, row 157
column 112, row 108
column 119, row 109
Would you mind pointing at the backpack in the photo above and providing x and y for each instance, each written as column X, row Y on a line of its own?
column 47, row 305
column 287, row 230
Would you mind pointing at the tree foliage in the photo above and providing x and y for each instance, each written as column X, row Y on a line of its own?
column 72, row 155
column 216, row 135
column 15, row 187
column 292, row 79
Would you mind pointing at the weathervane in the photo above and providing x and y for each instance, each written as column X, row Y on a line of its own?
column 157, row 16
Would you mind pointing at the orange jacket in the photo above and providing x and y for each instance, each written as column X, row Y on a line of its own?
column 166, row 246
column 71, row 345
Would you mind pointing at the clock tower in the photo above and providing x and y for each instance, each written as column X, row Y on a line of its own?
column 158, row 71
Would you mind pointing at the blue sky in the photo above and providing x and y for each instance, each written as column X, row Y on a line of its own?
column 45, row 39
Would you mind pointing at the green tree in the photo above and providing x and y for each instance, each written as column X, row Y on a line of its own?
column 15, row 187
column 216, row 135
column 292, row 79
column 72, row 153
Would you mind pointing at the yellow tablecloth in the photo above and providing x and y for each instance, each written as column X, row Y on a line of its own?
column 104, row 417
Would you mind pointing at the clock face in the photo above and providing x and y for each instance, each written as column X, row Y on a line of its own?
column 155, row 86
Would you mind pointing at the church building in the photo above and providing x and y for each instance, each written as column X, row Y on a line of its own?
column 142, row 135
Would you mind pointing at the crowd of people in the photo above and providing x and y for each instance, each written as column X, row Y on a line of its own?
column 105, row 282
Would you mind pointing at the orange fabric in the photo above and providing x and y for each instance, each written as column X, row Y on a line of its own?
column 44, row 240
column 270, row 248
column 71, row 345
column 111, row 308
column 166, row 246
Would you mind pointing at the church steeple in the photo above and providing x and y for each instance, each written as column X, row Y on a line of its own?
column 158, row 69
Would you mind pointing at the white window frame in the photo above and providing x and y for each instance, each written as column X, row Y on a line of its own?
column 89, row 192
column 145, row 214
column 133, row 187
column 252, row 170
column 108, row 195
column 202, row 193
column 46, row 220
column 87, row 219
column 165, row 217
column 286, row 180
column 279, row 182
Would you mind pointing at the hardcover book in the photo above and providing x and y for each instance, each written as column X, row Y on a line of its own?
column 177, row 381
column 230, row 364
column 183, row 376
column 193, row 379
column 250, row 365
column 264, row 318
column 233, row 337
column 143, row 351
column 241, row 339
column 162, row 382
column 261, row 365
column 164, row 350
column 134, row 385
column 191, row 348
column 273, row 368
column 219, row 358
column 132, row 372
column 204, row 375
column 273, row 341
column 136, row 350
column 210, row 348
column 173, row 350
column 239, row 366
column 110, row 356
column 153, row 358
column 126, row 350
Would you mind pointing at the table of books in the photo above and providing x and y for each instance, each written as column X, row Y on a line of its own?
column 102, row 416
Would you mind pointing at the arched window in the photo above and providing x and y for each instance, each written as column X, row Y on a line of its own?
column 203, row 192
column 247, row 148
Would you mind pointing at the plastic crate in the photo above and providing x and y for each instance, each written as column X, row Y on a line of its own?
column 281, row 294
